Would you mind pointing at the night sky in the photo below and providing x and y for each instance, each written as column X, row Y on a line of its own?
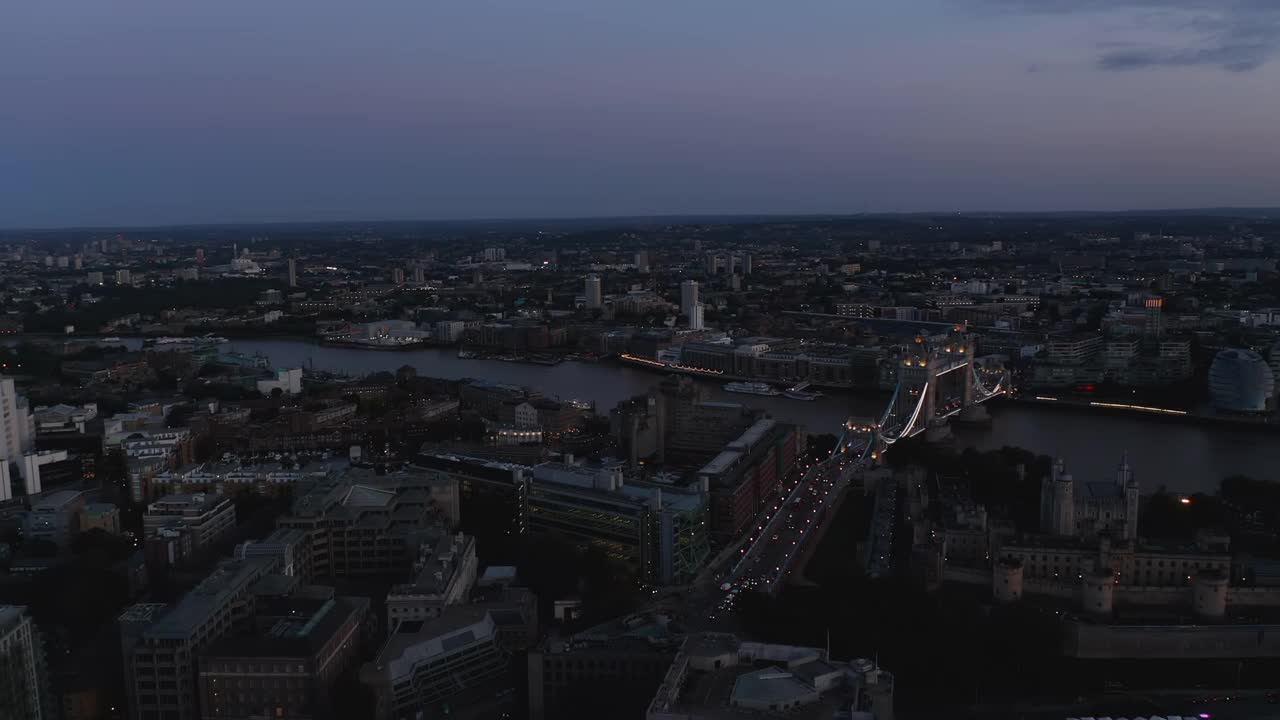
column 133, row 112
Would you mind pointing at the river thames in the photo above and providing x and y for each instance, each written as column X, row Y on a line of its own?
column 1183, row 457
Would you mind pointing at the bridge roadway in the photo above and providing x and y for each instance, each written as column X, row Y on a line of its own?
column 772, row 548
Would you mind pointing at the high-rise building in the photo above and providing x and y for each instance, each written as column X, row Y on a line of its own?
column 419, row 275
column 642, row 261
column 17, row 432
column 746, row 263
column 594, row 300
column 124, row 277
column 495, row 254
column 1154, row 326
column 688, row 295
column 696, row 317
column 22, row 691
column 293, row 272
column 397, row 276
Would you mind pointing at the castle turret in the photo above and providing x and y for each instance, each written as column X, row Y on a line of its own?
column 1097, row 588
column 1132, row 497
column 1209, row 594
column 1006, row 581
column 1064, row 505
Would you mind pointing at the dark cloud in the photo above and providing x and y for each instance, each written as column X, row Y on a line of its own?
column 1231, row 35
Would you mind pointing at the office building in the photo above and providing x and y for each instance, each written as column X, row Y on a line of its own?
column 162, row 643
column 290, row 549
column 362, row 524
column 208, row 516
column 100, row 516
column 676, row 421
column 23, row 692
column 287, row 380
column 716, row 676
column 659, row 530
column 55, row 517
column 747, row 473
column 487, row 489
column 688, row 295
column 287, row 664
column 591, row 291
column 1241, row 382
column 445, row 572
column 460, row 662
column 47, row 469
column 628, row 656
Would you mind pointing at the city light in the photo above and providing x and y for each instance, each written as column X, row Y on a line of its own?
column 1140, row 408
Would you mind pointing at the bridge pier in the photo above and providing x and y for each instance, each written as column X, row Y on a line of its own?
column 939, row 431
column 974, row 414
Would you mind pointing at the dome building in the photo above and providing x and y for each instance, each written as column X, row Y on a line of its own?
column 1241, row 382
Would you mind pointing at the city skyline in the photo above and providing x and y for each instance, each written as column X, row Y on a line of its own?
column 147, row 115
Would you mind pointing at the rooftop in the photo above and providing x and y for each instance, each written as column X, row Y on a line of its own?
column 214, row 592
column 294, row 628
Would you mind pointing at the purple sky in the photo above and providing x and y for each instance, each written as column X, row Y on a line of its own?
column 151, row 111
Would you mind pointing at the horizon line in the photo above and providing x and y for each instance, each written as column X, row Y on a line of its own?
column 1225, row 210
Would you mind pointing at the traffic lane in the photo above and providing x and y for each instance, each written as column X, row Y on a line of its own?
column 802, row 516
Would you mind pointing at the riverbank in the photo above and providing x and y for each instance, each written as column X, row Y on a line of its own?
column 1154, row 414
column 1186, row 457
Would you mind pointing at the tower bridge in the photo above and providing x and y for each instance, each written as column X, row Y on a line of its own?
column 938, row 378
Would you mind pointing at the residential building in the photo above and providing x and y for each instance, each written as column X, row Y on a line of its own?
column 17, row 431
column 696, row 315
column 688, row 295
column 591, row 291
column 449, row 331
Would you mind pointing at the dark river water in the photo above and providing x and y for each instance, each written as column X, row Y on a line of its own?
column 1183, row 457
